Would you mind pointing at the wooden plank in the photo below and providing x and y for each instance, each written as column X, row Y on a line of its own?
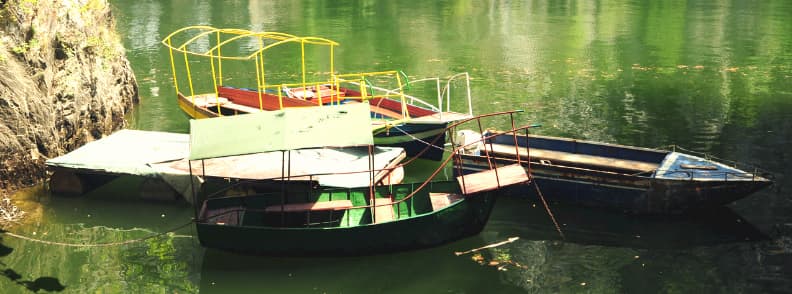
column 442, row 200
column 240, row 107
column 447, row 117
column 390, row 175
column 314, row 206
column 492, row 179
column 394, row 177
column 386, row 112
column 557, row 156
column 383, row 210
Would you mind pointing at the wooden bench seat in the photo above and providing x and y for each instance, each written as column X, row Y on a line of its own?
column 314, row 206
column 240, row 108
column 386, row 112
column 492, row 179
column 383, row 210
column 442, row 200
column 579, row 159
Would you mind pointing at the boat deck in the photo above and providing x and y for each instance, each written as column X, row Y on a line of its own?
column 492, row 179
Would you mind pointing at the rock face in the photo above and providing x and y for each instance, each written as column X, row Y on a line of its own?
column 64, row 81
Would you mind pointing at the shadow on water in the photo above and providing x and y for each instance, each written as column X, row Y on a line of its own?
column 433, row 270
column 528, row 219
column 49, row 284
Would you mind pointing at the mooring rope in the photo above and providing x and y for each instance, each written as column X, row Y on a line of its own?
column 550, row 213
column 26, row 238
column 418, row 139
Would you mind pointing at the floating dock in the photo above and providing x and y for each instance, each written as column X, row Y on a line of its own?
column 161, row 158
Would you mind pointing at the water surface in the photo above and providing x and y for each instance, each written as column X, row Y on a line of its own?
column 712, row 76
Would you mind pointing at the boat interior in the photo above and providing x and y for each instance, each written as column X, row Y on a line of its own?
column 342, row 207
column 579, row 154
column 612, row 158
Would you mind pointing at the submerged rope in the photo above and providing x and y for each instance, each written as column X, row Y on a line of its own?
column 493, row 245
column 550, row 213
column 26, row 238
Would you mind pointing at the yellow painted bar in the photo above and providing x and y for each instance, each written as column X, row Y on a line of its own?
column 263, row 76
column 258, row 84
column 405, row 111
column 189, row 78
column 219, row 62
column 302, row 62
column 173, row 68
column 280, row 97
column 214, row 82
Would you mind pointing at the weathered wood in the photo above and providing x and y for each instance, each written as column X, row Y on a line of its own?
column 314, row 206
column 383, row 210
column 442, row 200
column 557, row 156
column 396, row 176
column 390, row 175
column 492, row 179
column 240, row 108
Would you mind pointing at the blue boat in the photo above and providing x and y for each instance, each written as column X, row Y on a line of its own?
column 630, row 179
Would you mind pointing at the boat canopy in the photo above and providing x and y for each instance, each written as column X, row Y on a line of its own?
column 287, row 129
column 193, row 40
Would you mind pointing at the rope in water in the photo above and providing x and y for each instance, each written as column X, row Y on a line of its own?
column 547, row 207
column 26, row 238
column 550, row 213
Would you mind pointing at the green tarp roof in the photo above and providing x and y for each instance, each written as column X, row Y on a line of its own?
column 288, row 129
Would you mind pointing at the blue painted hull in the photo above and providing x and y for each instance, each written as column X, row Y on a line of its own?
column 666, row 190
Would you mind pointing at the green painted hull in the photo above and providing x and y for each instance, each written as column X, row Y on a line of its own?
column 460, row 219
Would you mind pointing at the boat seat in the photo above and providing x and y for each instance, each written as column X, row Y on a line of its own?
column 492, row 179
column 386, row 112
column 574, row 158
column 312, row 206
column 208, row 100
column 383, row 210
column 240, row 108
column 442, row 200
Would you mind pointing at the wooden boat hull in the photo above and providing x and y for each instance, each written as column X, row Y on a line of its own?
column 458, row 220
column 618, row 188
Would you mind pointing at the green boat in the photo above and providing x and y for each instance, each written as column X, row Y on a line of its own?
column 298, row 214
column 344, row 221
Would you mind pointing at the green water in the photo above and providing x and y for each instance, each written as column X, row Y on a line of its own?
column 712, row 76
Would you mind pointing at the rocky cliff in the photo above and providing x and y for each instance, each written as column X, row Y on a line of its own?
column 64, row 81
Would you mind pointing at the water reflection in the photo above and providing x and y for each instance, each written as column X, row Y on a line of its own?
column 712, row 76
column 602, row 252
column 435, row 270
column 50, row 284
column 528, row 219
